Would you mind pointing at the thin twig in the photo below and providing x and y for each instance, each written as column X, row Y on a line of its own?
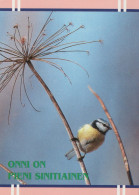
column 8, row 171
column 127, row 167
column 82, row 165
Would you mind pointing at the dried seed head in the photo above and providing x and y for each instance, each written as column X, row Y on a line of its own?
column 15, row 26
column 12, row 37
column 70, row 24
column 23, row 40
column 82, row 26
column 101, row 41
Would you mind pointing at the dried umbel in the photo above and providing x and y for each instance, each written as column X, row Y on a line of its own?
column 24, row 50
column 23, row 40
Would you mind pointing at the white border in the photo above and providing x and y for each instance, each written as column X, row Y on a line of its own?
column 119, row 5
column 13, row 5
column 17, row 189
column 125, row 5
column 118, row 189
column 12, row 189
column 123, row 193
column 18, row 5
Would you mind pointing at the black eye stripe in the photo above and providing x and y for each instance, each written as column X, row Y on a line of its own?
column 105, row 125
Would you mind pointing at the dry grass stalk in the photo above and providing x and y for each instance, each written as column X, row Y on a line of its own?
column 127, row 167
column 9, row 171
column 69, row 131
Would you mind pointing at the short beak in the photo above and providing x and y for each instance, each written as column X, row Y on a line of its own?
column 110, row 128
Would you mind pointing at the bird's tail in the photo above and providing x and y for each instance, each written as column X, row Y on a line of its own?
column 70, row 154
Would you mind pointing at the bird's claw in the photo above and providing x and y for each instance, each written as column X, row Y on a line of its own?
column 74, row 139
column 81, row 158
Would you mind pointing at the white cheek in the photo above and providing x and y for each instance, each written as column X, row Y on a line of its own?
column 101, row 127
column 105, row 128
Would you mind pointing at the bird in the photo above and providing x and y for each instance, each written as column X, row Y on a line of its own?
column 90, row 137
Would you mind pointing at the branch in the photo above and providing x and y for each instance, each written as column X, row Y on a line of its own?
column 117, row 136
column 82, row 165
column 8, row 171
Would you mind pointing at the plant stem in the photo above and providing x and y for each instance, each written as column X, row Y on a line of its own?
column 8, row 171
column 127, row 167
column 82, row 165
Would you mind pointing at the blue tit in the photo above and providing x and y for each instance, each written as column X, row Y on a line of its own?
column 90, row 137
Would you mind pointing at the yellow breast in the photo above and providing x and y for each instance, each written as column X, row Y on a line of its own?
column 89, row 134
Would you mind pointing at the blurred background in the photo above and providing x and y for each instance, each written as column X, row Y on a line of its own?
column 113, row 69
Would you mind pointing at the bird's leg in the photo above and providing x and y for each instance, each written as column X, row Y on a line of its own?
column 80, row 146
column 75, row 139
column 82, row 157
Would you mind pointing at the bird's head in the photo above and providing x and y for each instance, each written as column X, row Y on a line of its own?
column 101, row 125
